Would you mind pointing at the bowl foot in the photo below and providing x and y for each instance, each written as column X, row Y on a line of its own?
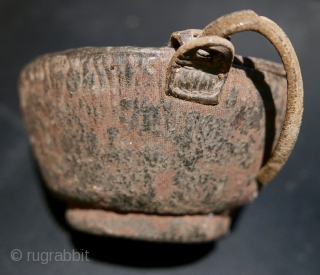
column 158, row 228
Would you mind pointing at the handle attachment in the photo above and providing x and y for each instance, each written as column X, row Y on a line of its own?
column 199, row 68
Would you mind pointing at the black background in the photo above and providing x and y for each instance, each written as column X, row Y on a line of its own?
column 278, row 234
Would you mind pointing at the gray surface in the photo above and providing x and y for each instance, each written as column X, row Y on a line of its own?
column 278, row 234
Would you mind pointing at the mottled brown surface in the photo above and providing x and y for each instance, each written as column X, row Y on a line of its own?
column 106, row 134
column 196, row 228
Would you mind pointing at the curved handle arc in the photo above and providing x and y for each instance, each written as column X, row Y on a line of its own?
column 250, row 21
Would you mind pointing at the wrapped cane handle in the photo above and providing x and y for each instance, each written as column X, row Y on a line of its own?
column 249, row 21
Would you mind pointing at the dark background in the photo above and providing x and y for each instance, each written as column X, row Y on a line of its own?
column 278, row 234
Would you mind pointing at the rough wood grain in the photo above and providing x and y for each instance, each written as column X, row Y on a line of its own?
column 105, row 133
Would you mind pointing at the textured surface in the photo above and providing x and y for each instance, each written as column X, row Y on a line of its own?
column 105, row 133
column 199, row 68
column 278, row 234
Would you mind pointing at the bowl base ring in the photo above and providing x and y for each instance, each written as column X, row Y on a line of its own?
column 149, row 227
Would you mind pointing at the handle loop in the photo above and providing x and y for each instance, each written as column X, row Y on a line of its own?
column 249, row 21
column 199, row 68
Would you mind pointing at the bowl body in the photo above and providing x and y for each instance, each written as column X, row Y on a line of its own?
column 107, row 136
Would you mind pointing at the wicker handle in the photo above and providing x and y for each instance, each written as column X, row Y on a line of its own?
column 250, row 21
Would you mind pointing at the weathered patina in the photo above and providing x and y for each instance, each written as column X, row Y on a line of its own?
column 137, row 159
